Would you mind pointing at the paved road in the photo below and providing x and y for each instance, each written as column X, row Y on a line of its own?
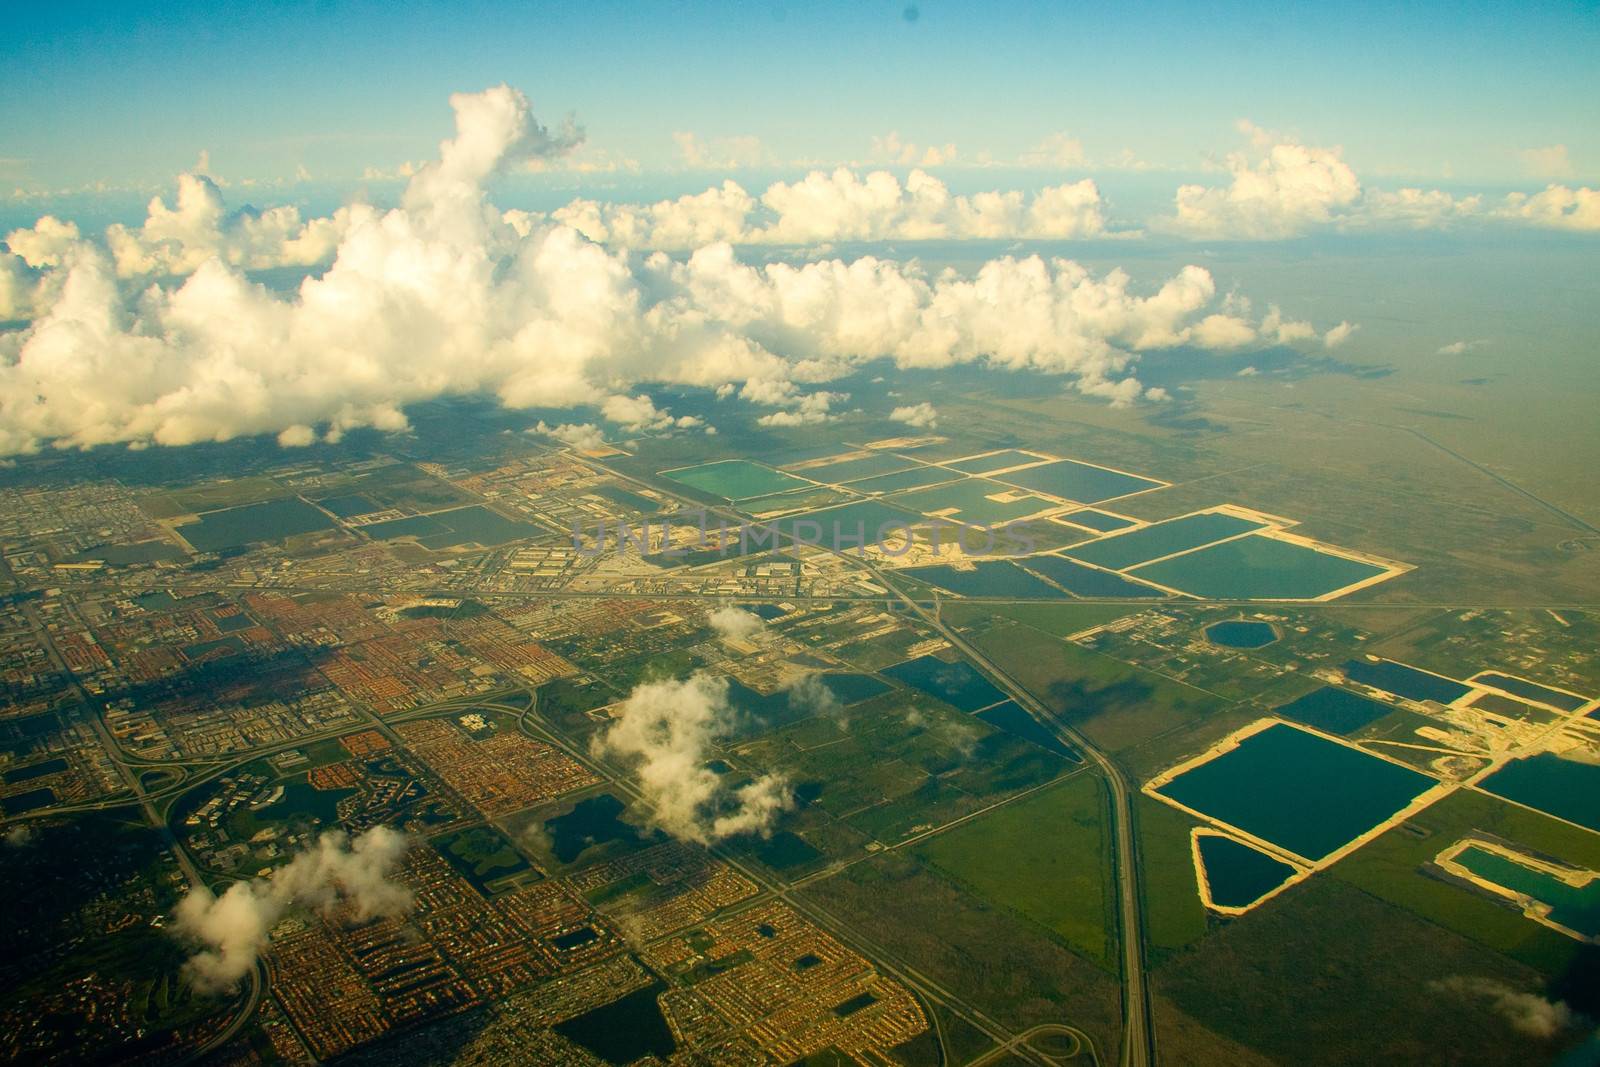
column 1138, row 1040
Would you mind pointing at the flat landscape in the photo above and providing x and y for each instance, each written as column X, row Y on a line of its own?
column 826, row 535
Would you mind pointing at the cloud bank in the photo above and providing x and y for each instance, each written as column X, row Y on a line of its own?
column 447, row 295
column 826, row 207
column 335, row 875
column 1280, row 188
column 666, row 730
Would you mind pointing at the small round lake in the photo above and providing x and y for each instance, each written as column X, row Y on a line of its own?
column 1241, row 633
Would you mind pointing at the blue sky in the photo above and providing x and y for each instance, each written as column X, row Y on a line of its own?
column 129, row 94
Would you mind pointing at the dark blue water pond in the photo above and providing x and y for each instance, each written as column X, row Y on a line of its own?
column 957, row 684
column 1237, row 874
column 1336, row 711
column 1405, row 681
column 1241, row 633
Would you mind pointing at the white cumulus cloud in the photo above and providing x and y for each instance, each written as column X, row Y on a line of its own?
column 735, row 622
column 447, row 295
column 334, row 876
column 666, row 729
column 922, row 416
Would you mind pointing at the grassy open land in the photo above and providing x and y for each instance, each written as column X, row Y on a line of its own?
column 899, row 764
column 1173, row 914
column 1116, row 705
column 1044, row 857
column 1392, row 868
column 225, row 494
column 1347, row 464
column 1326, row 974
column 990, row 958
column 1058, row 620
column 881, row 651
column 1185, row 1043
column 964, row 1042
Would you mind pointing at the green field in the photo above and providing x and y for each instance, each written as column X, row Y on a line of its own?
column 1365, row 982
column 1394, row 867
column 481, row 854
column 1057, row 619
column 1114, row 704
column 1173, row 914
column 1044, row 857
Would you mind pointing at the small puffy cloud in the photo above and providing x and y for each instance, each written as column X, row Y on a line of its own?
column 585, row 437
column 735, row 623
column 807, row 410
column 1527, row 1013
column 1415, row 209
column 1278, row 189
column 895, row 151
column 197, row 228
column 1275, row 327
column 721, row 153
column 44, row 244
column 808, row 693
column 639, row 414
column 337, row 876
column 1339, row 334
column 844, row 206
column 1056, row 150
column 297, row 436
column 921, row 416
column 1456, row 348
column 1221, row 332
column 665, row 729
column 1558, row 207
column 1550, row 161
